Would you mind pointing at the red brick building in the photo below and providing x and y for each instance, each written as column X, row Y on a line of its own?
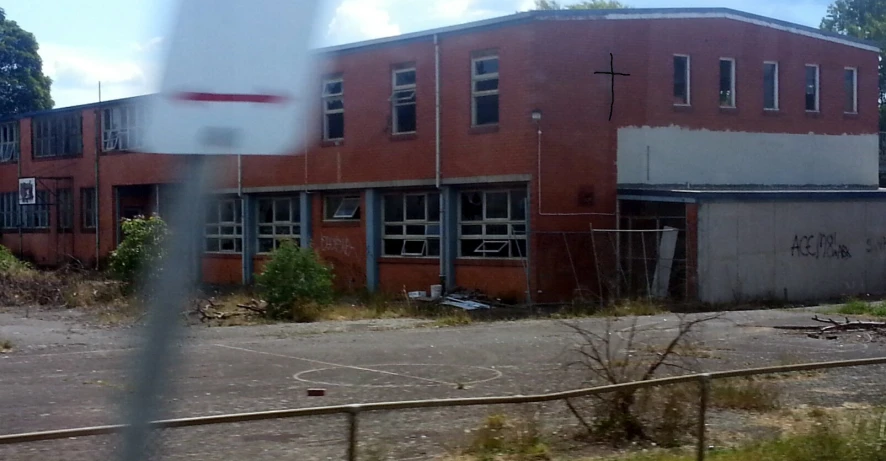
column 480, row 154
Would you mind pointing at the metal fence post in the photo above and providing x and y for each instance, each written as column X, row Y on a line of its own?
column 352, row 432
column 705, row 384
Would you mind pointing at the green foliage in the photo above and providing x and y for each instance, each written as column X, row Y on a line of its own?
column 518, row 437
column 858, row 307
column 23, row 86
column 584, row 5
column 136, row 261
column 294, row 282
column 9, row 263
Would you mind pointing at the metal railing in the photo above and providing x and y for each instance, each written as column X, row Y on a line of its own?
column 352, row 411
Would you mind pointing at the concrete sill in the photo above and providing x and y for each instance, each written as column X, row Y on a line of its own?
column 432, row 261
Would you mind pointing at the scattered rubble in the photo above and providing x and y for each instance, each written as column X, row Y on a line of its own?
column 834, row 326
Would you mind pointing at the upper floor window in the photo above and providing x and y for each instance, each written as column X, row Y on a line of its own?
column 812, row 98
column 850, row 82
column 770, row 85
column 278, row 218
column 9, row 142
column 681, row 80
column 484, row 90
column 122, row 127
column 224, row 226
column 492, row 224
column 403, row 99
column 411, row 225
column 341, row 207
column 58, row 135
column 333, row 109
column 727, row 82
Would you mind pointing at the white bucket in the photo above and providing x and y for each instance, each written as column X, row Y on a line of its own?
column 436, row 291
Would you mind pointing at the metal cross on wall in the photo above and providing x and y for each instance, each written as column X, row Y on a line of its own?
column 612, row 73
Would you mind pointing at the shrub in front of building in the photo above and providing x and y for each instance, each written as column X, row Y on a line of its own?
column 294, row 283
column 136, row 261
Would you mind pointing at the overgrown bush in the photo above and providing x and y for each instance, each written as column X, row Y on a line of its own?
column 294, row 283
column 136, row 261
column 9, row 263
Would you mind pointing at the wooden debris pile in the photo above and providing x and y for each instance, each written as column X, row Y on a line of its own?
column 209, row 310
column 833, row 326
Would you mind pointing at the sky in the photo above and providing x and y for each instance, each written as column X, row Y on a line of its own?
column 119, row 42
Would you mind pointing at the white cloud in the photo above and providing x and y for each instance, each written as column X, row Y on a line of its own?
column 149, row 45
column 453, row 9
column 526, row 5
column 361, row 20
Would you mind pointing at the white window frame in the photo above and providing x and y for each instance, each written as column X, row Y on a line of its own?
column 339, row 214
column 489, row 242
column 88, row 208
column 294, row 222
column 327, row 112
column 431, row 226
column 10, row 142
column 775, row 83
column 854, row 89
column 732, row 99
column 213, row 229
column 119, row 137
column 399, row 99
column 478, row 94
column 688, row 80
column 817, row 88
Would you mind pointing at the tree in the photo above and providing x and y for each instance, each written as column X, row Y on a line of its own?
column 23, row 86
column 585, row 5
column 865, row 19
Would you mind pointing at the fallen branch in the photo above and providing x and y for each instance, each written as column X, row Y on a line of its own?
column 256, row 309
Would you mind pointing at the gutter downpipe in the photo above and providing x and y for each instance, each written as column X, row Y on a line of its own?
column 98, row 140
column 443, row 236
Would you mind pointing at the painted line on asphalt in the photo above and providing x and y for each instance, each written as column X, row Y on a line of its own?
column 335, row 365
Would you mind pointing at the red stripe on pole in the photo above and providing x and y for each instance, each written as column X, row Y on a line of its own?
column 217, row 97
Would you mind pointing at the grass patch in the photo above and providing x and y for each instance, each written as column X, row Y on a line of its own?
column 501, row 437
column 858, row 307
column 453, row 319
column 638, row 307
column 855, row 439
column 746, row 394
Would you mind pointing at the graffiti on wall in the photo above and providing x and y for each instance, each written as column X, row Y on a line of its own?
column 337, row 245
column 876, row 245
column 819, row 246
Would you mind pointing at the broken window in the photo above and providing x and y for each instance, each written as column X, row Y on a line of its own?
column 333, row 109
column 484, row 89
column 770, row 85
column 850, row 82
column 88, row 207
column 122, row 127
column 811, row 88
column 727, row 82
column 681, row 80
column 279, row 219
column 9, row 142
column 403, row 100
column 411, row 225
column 492, row 224
column 224, row 226
column 57, row 135
column 341, row 207
column 65, row 204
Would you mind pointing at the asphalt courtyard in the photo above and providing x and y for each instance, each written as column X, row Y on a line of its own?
column 65, row 373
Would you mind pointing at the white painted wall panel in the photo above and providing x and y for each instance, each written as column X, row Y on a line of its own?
column 795, row 250
column 674, row 155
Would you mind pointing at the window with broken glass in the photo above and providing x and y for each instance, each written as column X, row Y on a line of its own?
column 9, row 142
column 492, row 224
column 122, row 127
column 224, row 226
column 484, row 90
column 403, row 99
column 57, row 135
column 341, row 208
column 411, row 225
column 278, row 219
column 333, row 109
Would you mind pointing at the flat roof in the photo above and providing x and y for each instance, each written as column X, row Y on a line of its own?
column 756, row 195
column 605, row 14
